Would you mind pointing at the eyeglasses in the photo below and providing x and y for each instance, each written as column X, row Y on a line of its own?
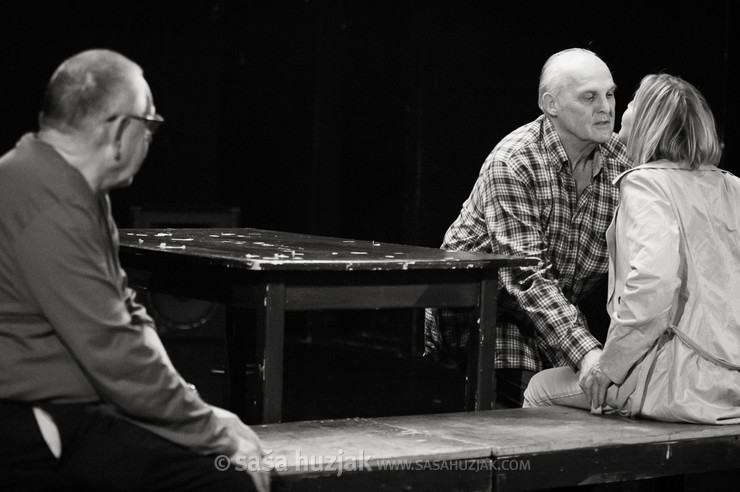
column 152, row 123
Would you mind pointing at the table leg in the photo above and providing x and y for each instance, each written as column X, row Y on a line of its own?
column 479, row 393
column 270, row 348
column 236, row 359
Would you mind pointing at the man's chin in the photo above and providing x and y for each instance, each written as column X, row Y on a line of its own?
column 123, row 184
column 603, row 135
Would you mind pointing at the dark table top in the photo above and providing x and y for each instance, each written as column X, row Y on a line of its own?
column 257, row 249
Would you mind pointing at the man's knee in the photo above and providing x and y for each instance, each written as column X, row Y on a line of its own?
column 534, row 394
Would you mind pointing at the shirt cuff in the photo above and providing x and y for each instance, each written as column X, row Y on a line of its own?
column 583, row 343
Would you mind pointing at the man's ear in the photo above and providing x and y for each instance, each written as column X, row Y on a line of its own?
column 550, row 104
column 119, row 126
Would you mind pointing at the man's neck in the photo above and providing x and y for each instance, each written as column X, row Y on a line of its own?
column 578, row 152
column 74, row 152
column 581, row 159
column 582, row 169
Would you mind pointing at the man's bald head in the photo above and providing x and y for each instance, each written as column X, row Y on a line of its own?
column 566, row 65
column 86, row 87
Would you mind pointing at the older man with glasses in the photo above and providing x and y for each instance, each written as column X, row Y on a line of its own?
column 88, row 396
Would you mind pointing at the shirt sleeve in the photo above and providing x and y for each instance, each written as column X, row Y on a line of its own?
column 68, row 263
column 648, row 226
column 516, row 228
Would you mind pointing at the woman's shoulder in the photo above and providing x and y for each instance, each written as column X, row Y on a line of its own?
column 650, row 170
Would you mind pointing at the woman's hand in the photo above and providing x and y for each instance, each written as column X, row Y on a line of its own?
column 594, row 384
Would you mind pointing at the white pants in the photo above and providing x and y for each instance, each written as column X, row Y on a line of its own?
column 556, row 386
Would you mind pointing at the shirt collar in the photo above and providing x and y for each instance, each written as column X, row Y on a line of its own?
column 555, row 148
column 553, row 145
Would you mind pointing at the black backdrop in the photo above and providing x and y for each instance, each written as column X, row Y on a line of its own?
column 365, row 119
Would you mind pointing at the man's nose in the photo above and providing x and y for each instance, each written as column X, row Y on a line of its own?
column 604, row 104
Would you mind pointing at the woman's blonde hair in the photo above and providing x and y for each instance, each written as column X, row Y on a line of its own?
column 671, row 120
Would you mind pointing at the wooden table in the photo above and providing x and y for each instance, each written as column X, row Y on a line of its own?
column 273, row 272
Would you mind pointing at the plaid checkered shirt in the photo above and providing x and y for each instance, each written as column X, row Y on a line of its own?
column 524, row 203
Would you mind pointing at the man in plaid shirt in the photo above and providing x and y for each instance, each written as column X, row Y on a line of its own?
column 545, row 191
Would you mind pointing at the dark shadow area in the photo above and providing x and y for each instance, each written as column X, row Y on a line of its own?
column 334, row 366
column 367, row 120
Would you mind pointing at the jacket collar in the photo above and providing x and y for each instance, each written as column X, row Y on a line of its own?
column 664, row 164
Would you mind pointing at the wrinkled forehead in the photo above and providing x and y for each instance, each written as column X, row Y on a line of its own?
column 596, row 81
column 585, row 73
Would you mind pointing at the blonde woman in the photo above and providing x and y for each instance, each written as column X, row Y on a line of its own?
column 673, row 348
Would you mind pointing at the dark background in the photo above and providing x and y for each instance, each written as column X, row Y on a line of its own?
column 364, row 119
